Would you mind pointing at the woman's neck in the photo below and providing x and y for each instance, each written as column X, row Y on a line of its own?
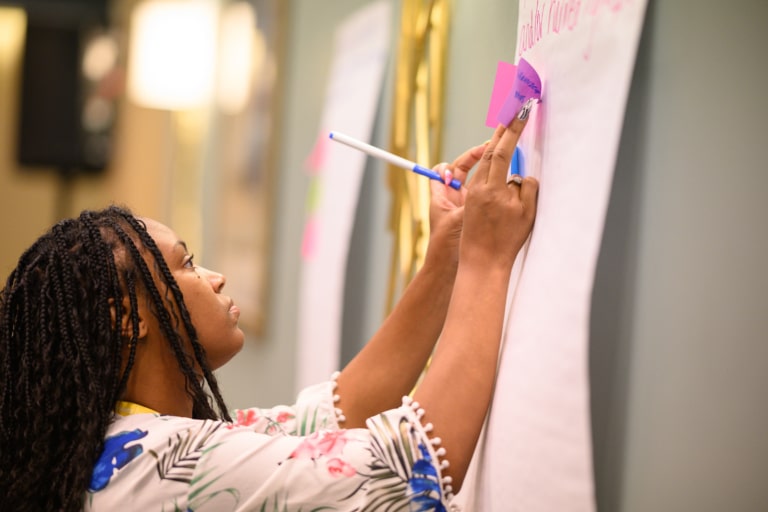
column 157, row 382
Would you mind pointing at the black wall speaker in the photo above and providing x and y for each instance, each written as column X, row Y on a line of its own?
column 67, row 113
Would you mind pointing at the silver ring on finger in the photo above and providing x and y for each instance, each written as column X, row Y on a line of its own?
column 516, row 179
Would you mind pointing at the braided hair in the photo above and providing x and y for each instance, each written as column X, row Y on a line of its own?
column 65, row 361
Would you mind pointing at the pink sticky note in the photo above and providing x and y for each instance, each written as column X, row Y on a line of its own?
column 505, row 80
column 527, row 85
column 309, row 240
column 316, row 159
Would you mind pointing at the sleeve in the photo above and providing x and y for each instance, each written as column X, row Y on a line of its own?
column 315, row 409
column 391, row 465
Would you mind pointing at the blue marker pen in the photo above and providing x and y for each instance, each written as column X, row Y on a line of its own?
column 516, row 165
column 516, row 171
column 390, row 158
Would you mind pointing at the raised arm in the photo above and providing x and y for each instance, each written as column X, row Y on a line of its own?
column 498, row 218
column 390, row 364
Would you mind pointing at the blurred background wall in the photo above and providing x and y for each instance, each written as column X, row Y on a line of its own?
column 679, row 327
column 30, row 195
column 156, row 152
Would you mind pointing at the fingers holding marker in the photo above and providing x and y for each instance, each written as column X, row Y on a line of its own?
column 463, row 164
column 445, row 173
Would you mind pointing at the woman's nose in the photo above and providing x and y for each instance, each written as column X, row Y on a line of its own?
column 217, row 280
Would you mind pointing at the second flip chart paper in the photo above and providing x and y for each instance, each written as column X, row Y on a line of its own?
column 536, row 455
column 357, row 71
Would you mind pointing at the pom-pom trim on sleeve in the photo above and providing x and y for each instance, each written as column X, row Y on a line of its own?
column 340, row 418
column 439, row 451
column 403, row 429
column 406, row 464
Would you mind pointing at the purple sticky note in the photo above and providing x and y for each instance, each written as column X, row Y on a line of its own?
column 505, row 80
column 527, row 85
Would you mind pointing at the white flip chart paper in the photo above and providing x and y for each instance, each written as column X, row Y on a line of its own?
column 357, row 73
column 536, row 455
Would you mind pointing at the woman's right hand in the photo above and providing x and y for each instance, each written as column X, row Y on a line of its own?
column 498, row 215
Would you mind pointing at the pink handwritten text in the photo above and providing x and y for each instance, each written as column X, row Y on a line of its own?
column 556, row 16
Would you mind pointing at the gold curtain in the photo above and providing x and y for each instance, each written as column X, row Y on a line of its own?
column 417, row 129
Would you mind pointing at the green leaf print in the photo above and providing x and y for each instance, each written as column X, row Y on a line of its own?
column 390, row 467
column 179, row 461
column 273, row 505
column 307, row 425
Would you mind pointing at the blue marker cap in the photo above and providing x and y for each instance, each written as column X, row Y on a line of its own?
column 516, row 165
column 433, row 175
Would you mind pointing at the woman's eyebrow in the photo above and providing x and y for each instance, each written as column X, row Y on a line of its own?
column 182, row 244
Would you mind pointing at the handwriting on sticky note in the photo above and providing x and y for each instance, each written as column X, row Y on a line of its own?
column 527, row 84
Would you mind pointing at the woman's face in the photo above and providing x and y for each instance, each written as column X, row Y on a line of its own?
column 214, row 315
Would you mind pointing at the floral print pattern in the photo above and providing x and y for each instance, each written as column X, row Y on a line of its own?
column 115, row 456
column 291, row 459
column 326, row 446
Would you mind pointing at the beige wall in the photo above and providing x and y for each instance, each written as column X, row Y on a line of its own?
column 26, row 200
column 28, row 197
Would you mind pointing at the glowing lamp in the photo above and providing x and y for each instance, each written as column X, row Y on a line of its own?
column 172, row 53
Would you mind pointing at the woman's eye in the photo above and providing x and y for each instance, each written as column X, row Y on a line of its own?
column 190, row 261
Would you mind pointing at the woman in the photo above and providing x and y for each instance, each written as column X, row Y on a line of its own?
column 109, row 334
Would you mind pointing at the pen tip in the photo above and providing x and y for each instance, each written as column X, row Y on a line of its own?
column 330, row 135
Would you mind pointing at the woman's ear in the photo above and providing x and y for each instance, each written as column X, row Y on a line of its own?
column 125, row 321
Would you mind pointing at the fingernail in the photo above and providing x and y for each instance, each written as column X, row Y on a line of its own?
column 448, row 177
column 441, row 169
column 525, row 111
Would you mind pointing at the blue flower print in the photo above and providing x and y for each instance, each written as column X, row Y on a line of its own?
column 424, row 484
column 115, row 456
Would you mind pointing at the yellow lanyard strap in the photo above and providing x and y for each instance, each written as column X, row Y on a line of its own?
column 128, row 408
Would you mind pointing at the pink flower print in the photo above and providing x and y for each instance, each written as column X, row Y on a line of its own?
column 320, row 443
column 244, row 418
column 331, row 442
column 284, row 417
column 338, row 467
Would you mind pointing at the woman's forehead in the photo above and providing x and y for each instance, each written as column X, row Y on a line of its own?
column 164, row 237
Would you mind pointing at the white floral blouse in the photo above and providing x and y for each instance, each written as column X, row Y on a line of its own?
column 286, row 459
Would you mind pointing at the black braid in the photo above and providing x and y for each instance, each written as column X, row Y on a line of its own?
column 62, row 364
column 25, row 357
column 199, row 351
column 108, row 281
column 163, row 314
column 65, row 297
column 134, row 312
column 210, row 378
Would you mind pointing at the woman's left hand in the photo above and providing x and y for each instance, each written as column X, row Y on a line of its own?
column 446, row 208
